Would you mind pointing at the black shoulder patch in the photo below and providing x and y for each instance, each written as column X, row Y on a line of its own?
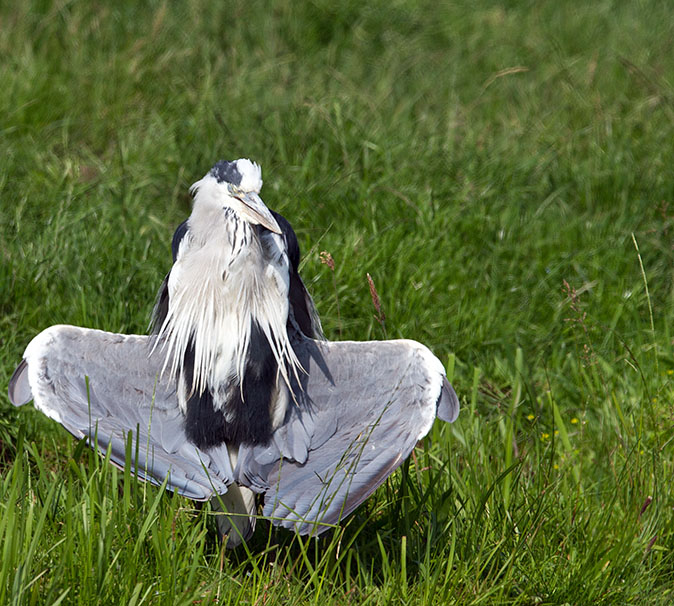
column 160, row 309
column 291, row 239
column 178, row 236
column 297, row 293
column 226, row 172
column 161, row 303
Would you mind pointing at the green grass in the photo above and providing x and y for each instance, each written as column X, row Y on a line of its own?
column 503, row 172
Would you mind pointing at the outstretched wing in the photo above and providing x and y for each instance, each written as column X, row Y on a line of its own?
column 360, row 411
column 101, row 386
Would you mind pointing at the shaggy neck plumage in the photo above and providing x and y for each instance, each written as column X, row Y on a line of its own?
column 230, row 280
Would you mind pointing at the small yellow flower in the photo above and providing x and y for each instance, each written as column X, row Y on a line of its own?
column 555, row 466
column 556, row 432
column 655, row 400
column 531, row 417
column 574, row 421
column 670, row 372
column 545, row 436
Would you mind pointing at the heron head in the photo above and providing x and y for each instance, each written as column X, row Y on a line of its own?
column 236, row 185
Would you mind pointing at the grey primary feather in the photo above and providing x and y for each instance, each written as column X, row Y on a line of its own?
column 360, row 409
column 19, row 387
column 448, row 405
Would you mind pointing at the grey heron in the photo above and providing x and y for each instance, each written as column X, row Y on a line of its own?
column 236, row 392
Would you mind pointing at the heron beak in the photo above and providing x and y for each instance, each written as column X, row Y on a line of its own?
column 256, row 211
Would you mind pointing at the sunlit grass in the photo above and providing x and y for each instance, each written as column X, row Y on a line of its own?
column 503, row 174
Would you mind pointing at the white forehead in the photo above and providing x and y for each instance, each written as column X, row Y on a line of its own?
column 251, row 175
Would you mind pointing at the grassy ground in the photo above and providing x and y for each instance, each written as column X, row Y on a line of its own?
column 503, row 173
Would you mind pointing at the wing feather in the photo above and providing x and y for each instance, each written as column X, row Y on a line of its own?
column 358, row 413
column 19, row 387
column 372, row 402
column 101, row 386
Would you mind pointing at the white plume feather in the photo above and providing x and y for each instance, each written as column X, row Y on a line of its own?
column 220, row 283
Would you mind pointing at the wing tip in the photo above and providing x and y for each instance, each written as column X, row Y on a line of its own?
column 448, row 403
column 19, row 387
column 440, row 391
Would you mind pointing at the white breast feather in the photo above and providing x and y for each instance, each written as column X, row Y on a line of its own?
column 213, row 296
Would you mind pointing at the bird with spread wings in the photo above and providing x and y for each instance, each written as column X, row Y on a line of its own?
column 236, row 392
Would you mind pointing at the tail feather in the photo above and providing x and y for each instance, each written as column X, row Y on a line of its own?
column 235, row 511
